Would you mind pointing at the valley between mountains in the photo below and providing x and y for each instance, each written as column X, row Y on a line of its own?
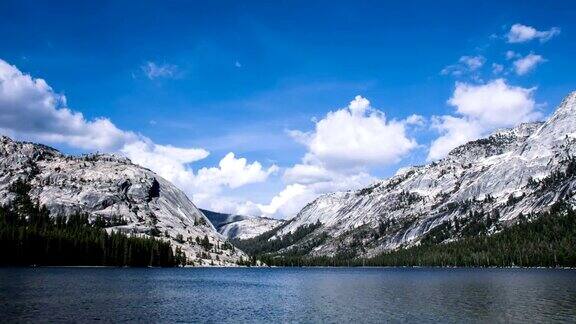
column 486, row 194
column 479, row 190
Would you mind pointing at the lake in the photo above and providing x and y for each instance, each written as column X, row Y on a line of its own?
column 237, row 295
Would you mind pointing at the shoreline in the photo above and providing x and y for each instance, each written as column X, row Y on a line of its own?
column 296, row 267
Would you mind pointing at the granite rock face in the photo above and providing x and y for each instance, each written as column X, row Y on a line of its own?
column 513, row 172
column 112, row 187
column 240, row 226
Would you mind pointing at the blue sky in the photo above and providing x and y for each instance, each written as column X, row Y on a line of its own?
column 227, row 76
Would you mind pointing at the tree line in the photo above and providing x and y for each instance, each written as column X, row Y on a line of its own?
column 29, row 236
column 544, row 240
column 263, row 243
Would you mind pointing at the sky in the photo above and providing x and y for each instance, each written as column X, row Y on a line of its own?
column 259, row 107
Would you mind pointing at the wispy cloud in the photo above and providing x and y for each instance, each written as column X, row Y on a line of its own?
column 154, row 71
column 527, row 63
column 466, row 64
column 497, row 68
column 521, row 33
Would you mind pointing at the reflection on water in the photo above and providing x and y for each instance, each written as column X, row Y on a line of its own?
column 282, row 294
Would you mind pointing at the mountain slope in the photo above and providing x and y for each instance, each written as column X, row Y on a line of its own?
column 240, row 227
column 114, row 188
column 480, row 187
column 219, row 219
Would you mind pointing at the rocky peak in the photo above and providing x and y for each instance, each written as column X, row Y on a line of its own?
column 568, row 105
column 559, row 130
column 522, row 170
column 501, row 141
column 110, row 157
column 563, row 121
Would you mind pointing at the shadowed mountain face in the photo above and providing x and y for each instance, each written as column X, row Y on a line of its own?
column 479, row 188
column 221, row 219
column 113, row 188
column 240, row 227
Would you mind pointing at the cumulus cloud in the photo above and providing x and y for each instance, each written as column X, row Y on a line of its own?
column 494, row 103
column 168, row 161
column 415, row 120
column 288, row 202
column 454, row 131
column 30, row 107
column 154, row 70
column 31, row 110
column 307, row 174
column 341, row 148
column 234, row 172
column 527, row 63
column 357, row 136
column 208, row 185
column 480, row 109
column 521, row 33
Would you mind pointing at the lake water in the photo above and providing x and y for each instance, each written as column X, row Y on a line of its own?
column 237, row 295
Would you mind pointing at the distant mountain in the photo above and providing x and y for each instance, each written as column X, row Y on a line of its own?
column 220, row 219
column 113, row 188
column 240, row 227
column 480, row 188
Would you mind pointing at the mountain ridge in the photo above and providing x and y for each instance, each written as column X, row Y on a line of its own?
column 111, row 186
column 512, row 172
column 239, row 226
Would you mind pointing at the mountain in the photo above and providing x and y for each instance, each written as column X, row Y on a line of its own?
column 480, row 188
column 239, row 226
column 220, row 219
column 136, row 200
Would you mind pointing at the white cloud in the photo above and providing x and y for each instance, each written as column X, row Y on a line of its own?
column 521, row 33
column 511, row 54
column 494, row 103
column 473, row 62
column 341, row 148
column 234, row 172
column 466, row 64
column 497, row 68
column 481, row 109
column 168, row 161
column 307, row 173
column 357, row 136
column 454, row 131
column 288, row 202
column 154, row 71
column 207, row 186
column 415, row 120
column 527, row 63
column 31, row 110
